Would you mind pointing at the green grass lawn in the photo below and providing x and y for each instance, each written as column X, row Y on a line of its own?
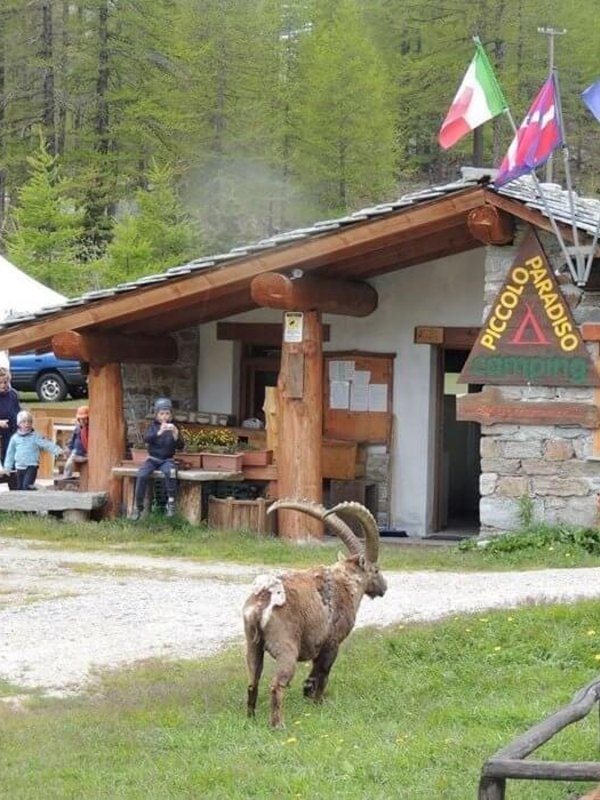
column 31, row 400
column 411, row 712
column 157, row 536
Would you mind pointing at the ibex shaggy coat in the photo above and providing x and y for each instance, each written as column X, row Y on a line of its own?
column 305, row 615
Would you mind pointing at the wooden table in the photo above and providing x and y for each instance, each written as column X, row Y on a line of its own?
column 189, row 490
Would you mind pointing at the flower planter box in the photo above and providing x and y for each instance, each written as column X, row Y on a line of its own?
column 257, row 458
column 190, row 460
column 222, row 462
column 138, row 455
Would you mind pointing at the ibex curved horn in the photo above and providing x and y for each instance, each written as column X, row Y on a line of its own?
column 329, row 517
column 367, row 523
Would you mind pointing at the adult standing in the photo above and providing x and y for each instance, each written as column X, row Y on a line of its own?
column 9, row 408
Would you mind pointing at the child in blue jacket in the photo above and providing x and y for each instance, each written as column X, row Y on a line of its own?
column 162, row 439
column 23, row 452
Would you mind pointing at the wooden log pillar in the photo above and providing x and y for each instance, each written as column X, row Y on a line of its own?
column 107, row 433
column 300, row 384
column 271, row 411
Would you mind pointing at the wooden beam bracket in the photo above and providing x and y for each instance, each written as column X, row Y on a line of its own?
column 313, row 293
column 108, row 348
column 490, row 225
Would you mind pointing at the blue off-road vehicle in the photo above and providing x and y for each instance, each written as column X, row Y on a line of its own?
column 50, row 377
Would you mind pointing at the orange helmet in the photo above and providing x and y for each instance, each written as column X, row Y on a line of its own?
column 83, row 412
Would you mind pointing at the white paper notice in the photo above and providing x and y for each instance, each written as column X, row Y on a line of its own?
column 361, row 377
column 341, row 370
column 359, row 397
column 378, row 397
column 339, row 394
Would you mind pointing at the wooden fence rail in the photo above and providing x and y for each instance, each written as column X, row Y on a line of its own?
column 509, row 761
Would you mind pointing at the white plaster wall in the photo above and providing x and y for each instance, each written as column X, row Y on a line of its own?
column 445, row 292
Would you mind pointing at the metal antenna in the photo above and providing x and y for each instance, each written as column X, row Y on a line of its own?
column 550, row 33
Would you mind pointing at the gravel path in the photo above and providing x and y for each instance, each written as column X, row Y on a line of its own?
column 65, row 614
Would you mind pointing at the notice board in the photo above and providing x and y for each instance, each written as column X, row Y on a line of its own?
column 357, row 396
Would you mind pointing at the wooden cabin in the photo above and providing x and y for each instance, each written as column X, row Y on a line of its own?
column 365, row 324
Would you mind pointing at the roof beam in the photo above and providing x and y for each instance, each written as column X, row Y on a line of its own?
column 108, row 348
column 417, row 251
column 313, row 293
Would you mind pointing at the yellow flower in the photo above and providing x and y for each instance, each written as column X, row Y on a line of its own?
column 597, row 657
column 591, row 632
column 497, row 648
column 298, row 722
column 291, row 740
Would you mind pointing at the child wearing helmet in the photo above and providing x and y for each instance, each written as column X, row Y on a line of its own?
column 23, row 452
column 77, row 448
column 162, row 440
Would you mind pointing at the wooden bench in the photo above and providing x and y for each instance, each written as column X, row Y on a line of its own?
column 189, row 490
column 73, row 506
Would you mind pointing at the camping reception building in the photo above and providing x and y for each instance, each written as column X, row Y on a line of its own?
column 434, row 358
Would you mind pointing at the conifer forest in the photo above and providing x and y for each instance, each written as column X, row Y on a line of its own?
column 138, row 134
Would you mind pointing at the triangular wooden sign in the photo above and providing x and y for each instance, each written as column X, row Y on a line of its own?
column 529, row 336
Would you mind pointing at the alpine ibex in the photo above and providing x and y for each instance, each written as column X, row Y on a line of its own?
column 305, row 615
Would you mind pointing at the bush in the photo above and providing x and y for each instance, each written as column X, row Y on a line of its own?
column 540, row 537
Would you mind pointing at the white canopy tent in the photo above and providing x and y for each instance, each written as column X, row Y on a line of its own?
column 22, row 294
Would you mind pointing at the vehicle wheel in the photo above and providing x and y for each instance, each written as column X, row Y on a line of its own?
column 51, row 388
column 78, row 392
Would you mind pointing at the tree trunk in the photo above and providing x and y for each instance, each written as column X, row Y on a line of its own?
column 48, row 94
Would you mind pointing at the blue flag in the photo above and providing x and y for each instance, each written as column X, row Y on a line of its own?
column 591, row 97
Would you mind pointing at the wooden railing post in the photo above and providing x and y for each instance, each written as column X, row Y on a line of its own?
column 492, row 789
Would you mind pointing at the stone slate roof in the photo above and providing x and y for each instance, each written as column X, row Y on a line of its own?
column 587, row 212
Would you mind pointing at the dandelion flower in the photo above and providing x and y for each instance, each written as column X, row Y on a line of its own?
column 291, row 740
column 497, row 648
column 597, row 657
column 591, row 632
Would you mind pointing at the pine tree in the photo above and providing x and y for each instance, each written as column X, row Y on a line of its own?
column 345, row 148
column 158, row 235
column 45, row 228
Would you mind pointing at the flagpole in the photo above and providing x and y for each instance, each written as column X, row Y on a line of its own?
column 544, row 200
column 590, row 258
column 565, row 150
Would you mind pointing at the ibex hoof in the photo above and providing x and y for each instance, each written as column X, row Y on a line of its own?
column 310, row 688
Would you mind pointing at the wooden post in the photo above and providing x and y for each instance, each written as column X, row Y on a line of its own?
column 492, row 789
column 270, row 407
column 107, row 433
column 299, row 468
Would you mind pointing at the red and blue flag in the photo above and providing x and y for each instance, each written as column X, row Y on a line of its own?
column 539, row 135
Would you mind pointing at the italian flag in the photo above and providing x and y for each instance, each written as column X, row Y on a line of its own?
column 479, row 99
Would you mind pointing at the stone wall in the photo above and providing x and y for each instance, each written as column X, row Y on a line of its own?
column 552, row 465
column 143, row 383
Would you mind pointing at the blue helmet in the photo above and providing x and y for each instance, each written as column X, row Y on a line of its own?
column 162, row 404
